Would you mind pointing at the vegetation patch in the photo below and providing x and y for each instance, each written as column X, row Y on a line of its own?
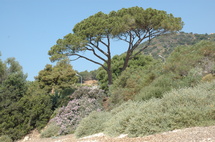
column 84, row 101
column 180, row 108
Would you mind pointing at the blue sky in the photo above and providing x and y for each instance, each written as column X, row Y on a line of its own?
column 29, row 28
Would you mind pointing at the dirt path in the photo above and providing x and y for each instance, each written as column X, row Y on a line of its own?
column 195, row 134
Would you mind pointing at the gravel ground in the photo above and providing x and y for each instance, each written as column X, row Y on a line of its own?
column 195, row 134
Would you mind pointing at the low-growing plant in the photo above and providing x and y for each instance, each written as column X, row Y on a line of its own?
column 121, row 115
column 179, row 108
column 90, row 92
column 5, row 138
column 92, row 124
column 52, row 130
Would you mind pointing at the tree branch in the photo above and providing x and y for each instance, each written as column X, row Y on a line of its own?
column 94, row 52
column 80, row 56
column 99, row 49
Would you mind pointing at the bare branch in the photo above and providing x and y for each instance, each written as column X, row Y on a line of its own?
column 94, row 52
column 99, row 49
column 75, row 59
column 80, row 56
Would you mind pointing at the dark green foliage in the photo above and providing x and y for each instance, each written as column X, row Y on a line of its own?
column 61, row 98
column 126, row 86
column 23, row 106
column 2, row 71
column 130, row 25
column 38, row 109
column 140, row 61
column 88, row 75
column 131, row 81
column 12, row 89
column 57, row 78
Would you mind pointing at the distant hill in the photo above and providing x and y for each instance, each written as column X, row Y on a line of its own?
column 164, row 45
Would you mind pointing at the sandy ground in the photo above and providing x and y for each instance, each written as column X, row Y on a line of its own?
column 195, row 134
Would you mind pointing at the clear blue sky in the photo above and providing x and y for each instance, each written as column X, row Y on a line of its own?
column 28, row 28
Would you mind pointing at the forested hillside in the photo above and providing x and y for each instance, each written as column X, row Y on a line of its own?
column 154, row 97
column 164, row 45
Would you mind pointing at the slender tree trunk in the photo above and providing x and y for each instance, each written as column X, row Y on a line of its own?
column 109, row 71
column 110, row 80
column 125, row 63
column 127, row 58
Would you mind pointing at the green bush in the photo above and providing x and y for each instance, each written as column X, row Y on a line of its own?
column 158, row 87
column 92, row 124
column 5, row 138
column 121, row 115
column 179, row 108
column 130, row 82
column 51, row 131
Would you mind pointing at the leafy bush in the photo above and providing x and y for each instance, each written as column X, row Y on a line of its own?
column 184, row 67
column 156, row 89
column 184, row 58
column 51, row 131
column 130, row 82
column 126, row 86
column 90, row 92
column 5, row 138
column 177, row 109
column 85, row 100
column 121, row 115
column 167, row 82
column 92, row 124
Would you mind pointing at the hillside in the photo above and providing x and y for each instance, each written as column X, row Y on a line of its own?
column 164, row 45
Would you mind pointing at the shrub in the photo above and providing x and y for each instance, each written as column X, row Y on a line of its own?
column 69, row 116
column 5, row 138
column 157, row 88
column 89, row 92
column 168, row 81
column 85, row 100
column 177, row 109
column 51, row 131
column 92, row 124
column 121, row 115
column 130, row 82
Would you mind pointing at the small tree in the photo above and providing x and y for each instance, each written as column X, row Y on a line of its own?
column 59, row 77
column 131, row 25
